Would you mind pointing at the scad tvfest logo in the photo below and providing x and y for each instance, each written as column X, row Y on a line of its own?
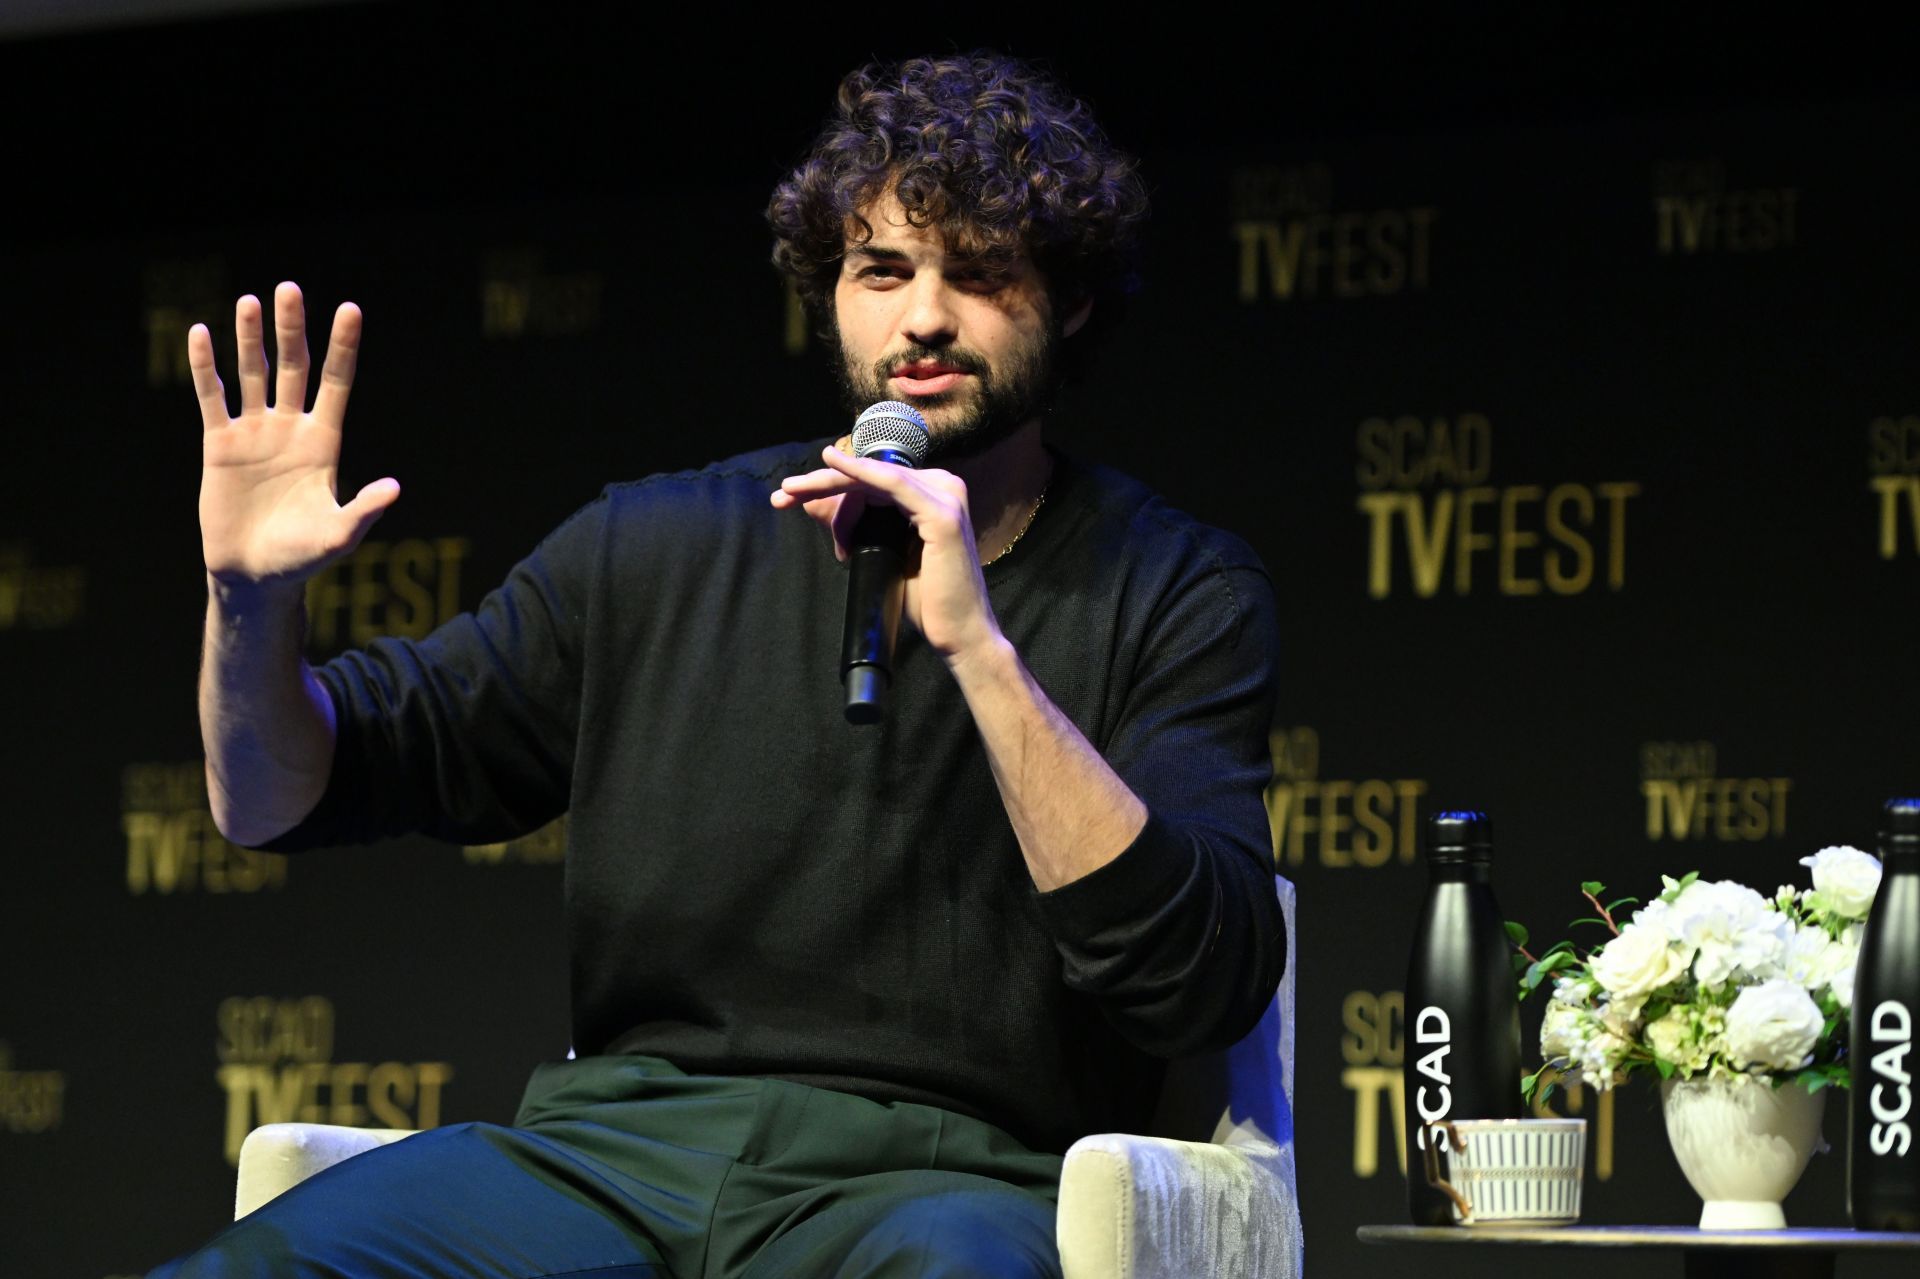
column 1698, row 211
column 1435, row 524
column 173, row 845
column 1893, row 468
column 35, row 597
column 404, row 588
column 179, row 293
column 520, row 296
column 31, row 1101
column 1366, row 822
column 1294, row 243
column 1687, row 799
column 276, row 1066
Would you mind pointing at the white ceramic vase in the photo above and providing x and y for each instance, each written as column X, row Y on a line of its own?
column 1742, row 1144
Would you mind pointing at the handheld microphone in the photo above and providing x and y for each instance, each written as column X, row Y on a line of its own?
column 890, row 432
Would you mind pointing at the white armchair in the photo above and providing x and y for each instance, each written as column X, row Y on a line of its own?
column 1214, row 1197
column 1216, row 1194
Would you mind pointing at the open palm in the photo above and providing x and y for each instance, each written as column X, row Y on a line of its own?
column 270, row 515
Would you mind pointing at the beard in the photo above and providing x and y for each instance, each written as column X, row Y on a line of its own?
column 965, row 422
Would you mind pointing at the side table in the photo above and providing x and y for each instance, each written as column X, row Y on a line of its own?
column 1706, row 1254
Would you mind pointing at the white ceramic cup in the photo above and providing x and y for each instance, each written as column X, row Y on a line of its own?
column 1509, row 1172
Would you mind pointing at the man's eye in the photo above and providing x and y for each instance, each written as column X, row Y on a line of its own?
column 881, row 273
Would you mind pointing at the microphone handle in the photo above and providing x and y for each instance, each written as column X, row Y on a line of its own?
column 875, row 587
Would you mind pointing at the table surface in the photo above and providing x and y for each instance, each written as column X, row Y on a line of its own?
column 1680, row 1237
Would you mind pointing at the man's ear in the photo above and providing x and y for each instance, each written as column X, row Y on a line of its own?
column 1077, row 320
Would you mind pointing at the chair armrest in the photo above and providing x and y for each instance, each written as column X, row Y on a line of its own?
column 277, row 1157
column 1156, row 1208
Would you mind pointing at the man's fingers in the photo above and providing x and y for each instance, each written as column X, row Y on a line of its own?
column 815, row 484
column 884, row 476
column 253, row 355
column 368, row 505
column 343, row 356
column 846, row 513
column 207, row 387
column 930, row 494
column 290, row 348
column 840, row 493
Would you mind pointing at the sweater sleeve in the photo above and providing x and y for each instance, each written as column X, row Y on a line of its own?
column 1180, row 937
column 467, row 735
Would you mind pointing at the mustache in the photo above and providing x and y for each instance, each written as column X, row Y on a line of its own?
column 966, row 361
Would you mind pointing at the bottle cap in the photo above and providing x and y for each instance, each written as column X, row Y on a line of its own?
column 1900, row 826
column 1460, row 835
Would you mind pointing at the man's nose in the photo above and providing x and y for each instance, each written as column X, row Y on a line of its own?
column 929, row 318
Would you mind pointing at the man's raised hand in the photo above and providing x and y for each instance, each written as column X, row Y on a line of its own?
column 270, row 516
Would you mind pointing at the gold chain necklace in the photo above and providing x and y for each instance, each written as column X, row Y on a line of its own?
column 1022, row 533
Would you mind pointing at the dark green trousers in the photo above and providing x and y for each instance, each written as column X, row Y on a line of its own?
column 624, row 1166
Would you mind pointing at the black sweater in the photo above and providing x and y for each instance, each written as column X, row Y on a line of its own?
column 755, row 887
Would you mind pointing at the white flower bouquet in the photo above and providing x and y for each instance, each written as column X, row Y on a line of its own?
column 1711, row 979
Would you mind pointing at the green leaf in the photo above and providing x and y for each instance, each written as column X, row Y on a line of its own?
column 1665, row 1067
column 1591, row 919
column 1831, row 1075
column 1516, row 933
column 1618, row 902
column 1538, row 971
column 1680, row 885
column 1593, row 887
column 1559, row 947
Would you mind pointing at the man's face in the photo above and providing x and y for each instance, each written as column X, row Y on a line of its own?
column 968, row 345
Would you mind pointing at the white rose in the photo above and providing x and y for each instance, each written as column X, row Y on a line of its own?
column 1733, row 929
column 1773, row 1026
column 1561, row 1031
column 1621, row 1017
column 1671, row 1036
column 1846, row 880
column 1599, row 1058
column 1846, row 960
column 1658, row 916
column 1580, row 991
column 1636, row 963
column 1843, row 987
column 1814, row 959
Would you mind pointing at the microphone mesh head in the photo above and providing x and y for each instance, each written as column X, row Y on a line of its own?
column 893, row 425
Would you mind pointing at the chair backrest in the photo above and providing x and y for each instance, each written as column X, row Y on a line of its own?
column 1242, row 1096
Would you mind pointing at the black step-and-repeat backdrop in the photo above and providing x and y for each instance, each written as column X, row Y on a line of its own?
column 1583, row 445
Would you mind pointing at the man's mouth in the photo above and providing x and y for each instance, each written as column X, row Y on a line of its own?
column 928, row 377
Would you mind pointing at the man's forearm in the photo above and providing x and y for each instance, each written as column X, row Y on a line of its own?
column 267, row 724
column 1071, row 813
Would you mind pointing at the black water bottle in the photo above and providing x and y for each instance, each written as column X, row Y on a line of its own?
column 1462, row 1027
column 1883, row 1150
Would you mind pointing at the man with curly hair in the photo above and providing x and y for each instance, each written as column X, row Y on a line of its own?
column 845, row 1019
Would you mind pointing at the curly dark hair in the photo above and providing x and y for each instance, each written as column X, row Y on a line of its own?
column 991, row 152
